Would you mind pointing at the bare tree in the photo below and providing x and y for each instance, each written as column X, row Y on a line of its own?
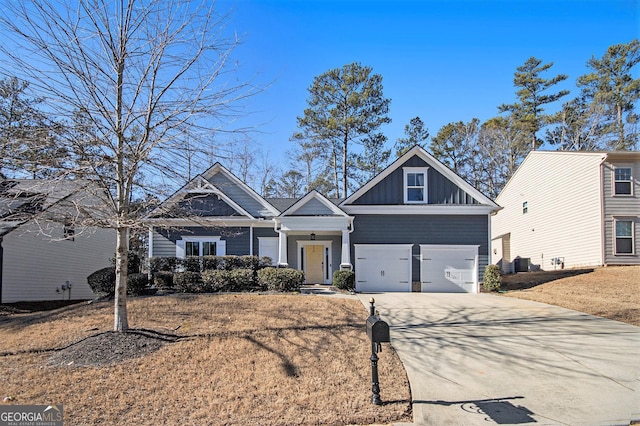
column 151, row 78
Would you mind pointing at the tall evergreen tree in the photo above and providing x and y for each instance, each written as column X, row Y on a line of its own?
column 612, row 85
column 455, row 146
column 533, row 96
column 502, row 146
column 373, row 159
column 415, row 134
column 345, row 106
column 28, row 140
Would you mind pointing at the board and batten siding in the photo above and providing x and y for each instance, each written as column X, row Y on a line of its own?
column 34, row 265
column 562, row 195
column 622, row 207
column 423, row 229
column 440, row 190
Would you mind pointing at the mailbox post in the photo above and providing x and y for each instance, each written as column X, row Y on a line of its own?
column 378, row 332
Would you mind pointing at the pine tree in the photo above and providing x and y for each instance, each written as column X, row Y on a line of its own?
column 532, row 94
column 611, row 84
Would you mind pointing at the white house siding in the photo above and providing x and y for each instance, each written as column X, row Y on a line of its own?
column 35, row 265
column 622, row 207
column 562, row 192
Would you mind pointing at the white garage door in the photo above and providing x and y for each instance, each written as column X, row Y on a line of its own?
column 448, row 268
column 383, row 267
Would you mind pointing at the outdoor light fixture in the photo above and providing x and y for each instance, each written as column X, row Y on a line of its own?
column 313, row 236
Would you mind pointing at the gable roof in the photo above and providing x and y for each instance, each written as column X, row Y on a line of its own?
column 22, row 199
column 313, row 204
column 432, row 162
column 227, row 187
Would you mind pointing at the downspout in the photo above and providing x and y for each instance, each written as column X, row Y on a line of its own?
column 603, row 254
column 251, row 239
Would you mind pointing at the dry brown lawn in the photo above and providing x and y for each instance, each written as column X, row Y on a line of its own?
column 612, row 292
column 232, row 359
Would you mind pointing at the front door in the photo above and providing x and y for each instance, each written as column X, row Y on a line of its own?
column 314, row 264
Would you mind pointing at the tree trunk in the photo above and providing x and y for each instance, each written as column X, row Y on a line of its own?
column 121, row 323
column 621, row 144
column 344, row 165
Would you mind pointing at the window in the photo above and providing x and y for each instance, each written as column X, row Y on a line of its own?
column 525, row 207
column 415, row 185
column 623, row 180
column 200, row 246
column 624, row 237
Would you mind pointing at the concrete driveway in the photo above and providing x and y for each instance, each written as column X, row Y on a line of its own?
column 485, row 359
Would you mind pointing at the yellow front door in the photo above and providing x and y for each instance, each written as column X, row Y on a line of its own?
column 314, row 265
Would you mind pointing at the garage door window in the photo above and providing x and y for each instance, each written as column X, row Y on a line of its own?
column 415, row 185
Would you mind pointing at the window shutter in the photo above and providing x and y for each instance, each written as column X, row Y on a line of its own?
column 180, row 249
column 221, row 248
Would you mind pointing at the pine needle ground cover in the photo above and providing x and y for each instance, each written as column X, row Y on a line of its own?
column 612, row 292
column 231, row 359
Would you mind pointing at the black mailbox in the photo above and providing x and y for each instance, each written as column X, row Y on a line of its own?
column 377, row 330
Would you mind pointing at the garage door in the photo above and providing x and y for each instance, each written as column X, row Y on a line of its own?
column 448, row 269
column 383, row 267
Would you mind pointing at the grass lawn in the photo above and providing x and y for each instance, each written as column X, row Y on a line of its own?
column 242, row 359
column 612, row 292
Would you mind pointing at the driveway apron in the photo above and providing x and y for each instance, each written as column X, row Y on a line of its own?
column 485, row 359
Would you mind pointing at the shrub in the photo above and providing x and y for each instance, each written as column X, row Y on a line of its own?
column 169, row 264
column 188, row 282
column 214, row 280
column 242, row 279
column 192, row 264
column 137, row 284
column 163, row 280
column 250, row 262
column 210, row 263
column 492, row 279
column 280, row 279
column 264, row 262
column 103, row 281
column 344, row 280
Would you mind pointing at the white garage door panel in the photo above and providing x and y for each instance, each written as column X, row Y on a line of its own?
column 450, row 269
column 383, row 267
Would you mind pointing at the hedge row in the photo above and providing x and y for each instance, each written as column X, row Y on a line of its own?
column 207, row 263
column 212, row 281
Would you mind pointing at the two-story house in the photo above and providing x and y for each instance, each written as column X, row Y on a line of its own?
column 417, row 226
column 569, row 209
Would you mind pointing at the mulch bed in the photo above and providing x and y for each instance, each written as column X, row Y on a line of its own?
column 111, row 347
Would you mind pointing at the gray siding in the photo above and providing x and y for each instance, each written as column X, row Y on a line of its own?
column 390, row 190
column 420, row 229
column 164, row 240
column 314, row 208
column 621, row 207
column 238, row 195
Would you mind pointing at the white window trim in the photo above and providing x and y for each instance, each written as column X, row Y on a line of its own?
column 262, row 240
column 406, row 171
column 633, row 236
column 613, row 180
column 221, row 247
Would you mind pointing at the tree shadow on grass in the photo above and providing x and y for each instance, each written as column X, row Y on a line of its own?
column 527, row 280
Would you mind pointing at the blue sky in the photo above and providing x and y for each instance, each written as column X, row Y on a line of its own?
column 444, row 61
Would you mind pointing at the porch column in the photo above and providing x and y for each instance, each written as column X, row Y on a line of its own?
column 282, row 249
column 345, row 257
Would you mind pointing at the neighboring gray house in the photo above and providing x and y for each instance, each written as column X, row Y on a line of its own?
column 569, row 209
column 417, row 226
column 42, row 257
